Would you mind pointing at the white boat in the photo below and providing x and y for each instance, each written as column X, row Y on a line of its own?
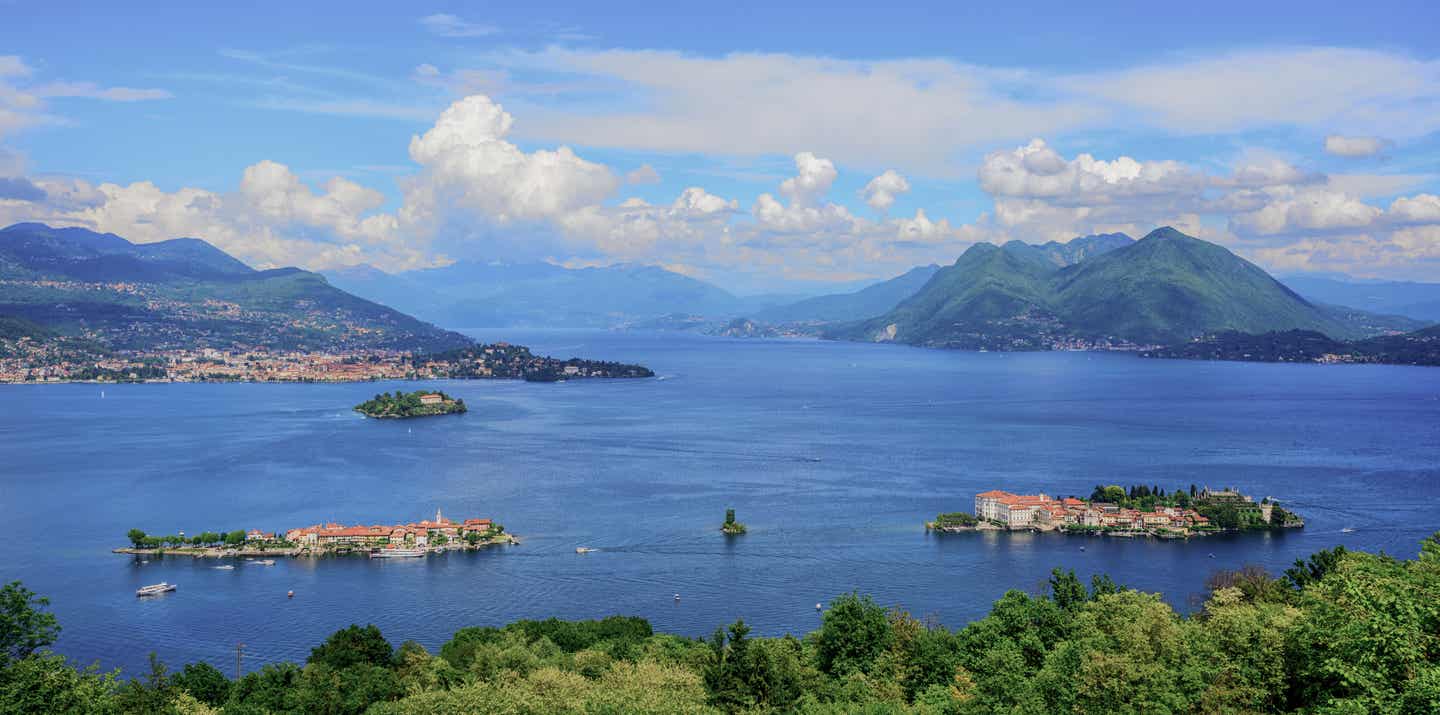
column 583, row 549
column 397, row 553
column 155, row 589
column 226, row 567
column 1347, row 530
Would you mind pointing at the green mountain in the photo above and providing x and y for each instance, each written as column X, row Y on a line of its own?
column 1076, row 249
column 1166, row 287
column 1170, row 286
column 867, row 302
column 185, row 293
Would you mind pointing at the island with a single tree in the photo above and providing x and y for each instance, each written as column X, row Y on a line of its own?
column 732, row 527
column 404, row 405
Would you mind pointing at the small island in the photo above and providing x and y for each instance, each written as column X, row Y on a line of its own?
column 731, row 527
column 402, row 405
column 412, row 539
column 1112, row 510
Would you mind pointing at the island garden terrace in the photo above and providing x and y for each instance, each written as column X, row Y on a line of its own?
column 416, row 538
column 1115, row 511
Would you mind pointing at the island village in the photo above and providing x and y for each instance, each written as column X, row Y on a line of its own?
column 414, row 539
column 1114, row 511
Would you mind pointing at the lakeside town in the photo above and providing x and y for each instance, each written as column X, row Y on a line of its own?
column 1115, row 511
column 420, row 538
column 40, row 361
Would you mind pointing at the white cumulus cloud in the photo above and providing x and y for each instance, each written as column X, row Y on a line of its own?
column 881, row 191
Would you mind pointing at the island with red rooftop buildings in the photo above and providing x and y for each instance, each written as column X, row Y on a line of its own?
column 1112, row 510
column 420, row 538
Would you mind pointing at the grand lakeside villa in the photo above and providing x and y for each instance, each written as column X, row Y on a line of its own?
column 422, row 534
column 1044, row 513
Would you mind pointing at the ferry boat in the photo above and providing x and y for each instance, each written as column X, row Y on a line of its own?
column 397, row 553
column 155, row 589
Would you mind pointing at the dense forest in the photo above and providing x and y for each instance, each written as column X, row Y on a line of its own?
column 1341, row 632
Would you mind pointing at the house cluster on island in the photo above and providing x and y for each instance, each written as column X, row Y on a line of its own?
column 1044, row 513
column 419, row 534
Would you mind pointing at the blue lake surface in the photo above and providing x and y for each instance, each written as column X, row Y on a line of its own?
column 834, row 454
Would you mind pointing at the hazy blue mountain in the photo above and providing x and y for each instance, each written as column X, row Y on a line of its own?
column 864, row 303
column 187, row 293
column 1163, row 288
column 471, row 294
column 1415, row 300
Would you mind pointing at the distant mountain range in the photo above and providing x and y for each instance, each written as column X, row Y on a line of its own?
column 472, row 294
column 872, row 300
column 1420, row 301
column 1095, row 291
column 186, row 293
column 1167, row 287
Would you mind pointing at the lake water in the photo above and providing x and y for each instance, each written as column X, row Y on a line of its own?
column 833, row 453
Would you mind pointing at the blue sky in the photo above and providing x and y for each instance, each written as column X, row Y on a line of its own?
column 1214, row 117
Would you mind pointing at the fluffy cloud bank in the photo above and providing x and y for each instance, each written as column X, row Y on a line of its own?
column 1265, row 207
column 919, row 114
column 477, row 195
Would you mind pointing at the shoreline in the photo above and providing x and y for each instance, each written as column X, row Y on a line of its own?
column 158, row 381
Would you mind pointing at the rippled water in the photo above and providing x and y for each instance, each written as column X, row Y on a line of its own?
column 833, row 453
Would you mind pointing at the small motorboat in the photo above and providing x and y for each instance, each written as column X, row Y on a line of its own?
column 583, row 549
column 226, row 567
column 1347, row 530
column 677, row 597
column 155, row 589
column 266, row 562
column 819, row 607
column 289, row 594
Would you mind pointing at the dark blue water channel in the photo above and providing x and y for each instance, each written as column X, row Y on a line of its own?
column 833, row 453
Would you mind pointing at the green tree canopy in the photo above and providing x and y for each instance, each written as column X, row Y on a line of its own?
column 853, row 632
column 205, row 682
column 25, row 625
column 352, row 646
